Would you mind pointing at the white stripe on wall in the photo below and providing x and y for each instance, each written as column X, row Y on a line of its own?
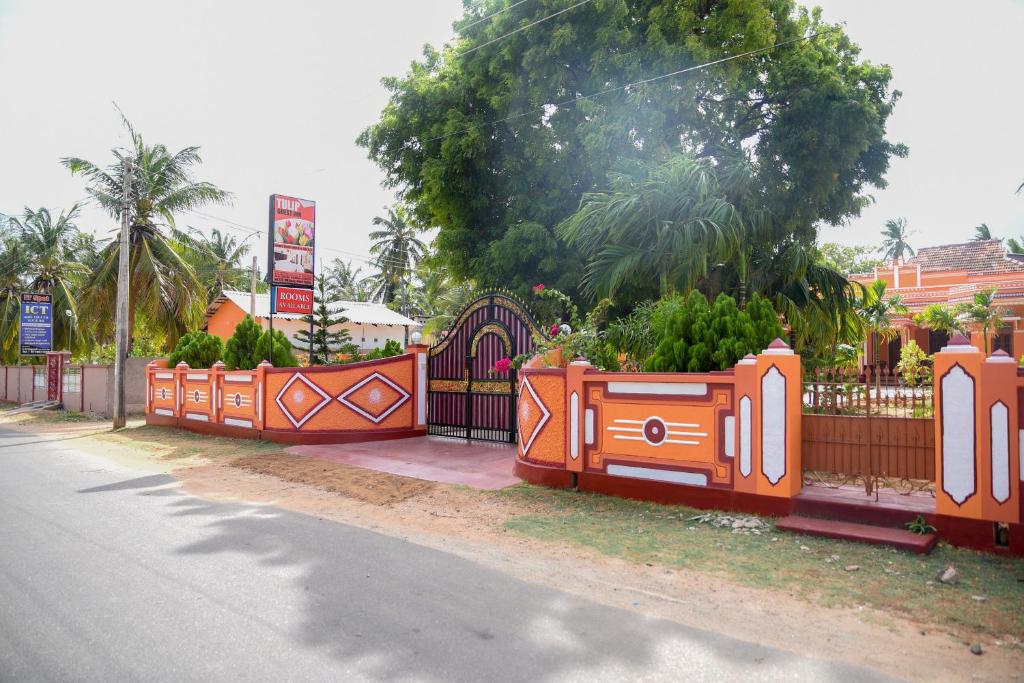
column 653, row 474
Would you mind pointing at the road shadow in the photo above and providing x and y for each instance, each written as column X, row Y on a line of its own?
column 137, row 483
column 389, row 609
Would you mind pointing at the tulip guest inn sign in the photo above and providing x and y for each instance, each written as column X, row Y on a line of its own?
column 292, row 253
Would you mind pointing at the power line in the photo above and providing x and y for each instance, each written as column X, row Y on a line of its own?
column 522, row 28
column 248, row 230
column 544, row 108
column 494, row 14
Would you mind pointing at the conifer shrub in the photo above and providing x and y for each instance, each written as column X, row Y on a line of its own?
column 199, row 349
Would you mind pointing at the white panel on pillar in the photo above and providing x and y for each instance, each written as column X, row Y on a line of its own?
column 958, row 476
column 730, row 436
column 1000, row 423
column 745, row 431
column 773, row 425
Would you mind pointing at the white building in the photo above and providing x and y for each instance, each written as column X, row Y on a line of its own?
column 370, row 325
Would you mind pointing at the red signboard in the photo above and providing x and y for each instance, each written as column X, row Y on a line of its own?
column 293, row 300
column 292, row 239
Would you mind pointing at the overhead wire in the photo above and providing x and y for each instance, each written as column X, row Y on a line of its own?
column 521, row 28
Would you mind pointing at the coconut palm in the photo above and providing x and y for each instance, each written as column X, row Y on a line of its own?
column 876, row 311
column 666, row 227
column 983, row 314
column 351, row 284
column 12, row 283
column 164, row 287
column 982, row 233
column 217, row 260
column 50, row 264
column 894, row 242
column 397, row 250
column 1015, row 246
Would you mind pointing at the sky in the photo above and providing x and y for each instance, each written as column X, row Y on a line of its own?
column 276, row 93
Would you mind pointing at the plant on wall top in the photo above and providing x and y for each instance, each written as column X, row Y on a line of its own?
column 199, row 349
column 700, row 336
column 240, row 351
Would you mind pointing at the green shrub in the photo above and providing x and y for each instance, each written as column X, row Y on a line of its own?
column 241, row 353
column 699, row 336
column 199, row 349
column 283, row 356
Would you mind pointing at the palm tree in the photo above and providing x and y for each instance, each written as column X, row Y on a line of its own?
column 397, row 250
column 666, row 227
column 165, row 290
column 1015, row 246
column 51, row 264
column 12, row 265
column 348, row 279
column 938, row 318
column 876, row 311
column 894, row 245
column 217, row 260
column 983, row 314
column 982, row 233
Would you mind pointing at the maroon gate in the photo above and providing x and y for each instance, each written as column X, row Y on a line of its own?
column 466, row 396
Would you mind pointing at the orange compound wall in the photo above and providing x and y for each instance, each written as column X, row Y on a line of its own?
column 382, row 399
column 735, row 432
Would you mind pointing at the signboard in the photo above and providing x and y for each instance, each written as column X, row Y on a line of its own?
column 292, row 300
column 292, row 239
column 35, row 331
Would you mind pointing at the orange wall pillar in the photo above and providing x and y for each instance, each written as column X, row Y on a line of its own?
column 768, row 411
column 419, row 383
column 976, row 434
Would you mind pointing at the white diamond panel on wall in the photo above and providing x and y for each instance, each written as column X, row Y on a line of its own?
column 1000, row 451
column 745, row 432
column 958, row 476
column 773, row 425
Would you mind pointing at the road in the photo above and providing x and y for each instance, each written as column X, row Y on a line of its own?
column 109, row 573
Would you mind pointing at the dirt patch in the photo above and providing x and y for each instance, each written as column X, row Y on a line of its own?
column 377, row 488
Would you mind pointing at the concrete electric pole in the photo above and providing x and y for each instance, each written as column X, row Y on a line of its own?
column 121, row 330
column 252, row 290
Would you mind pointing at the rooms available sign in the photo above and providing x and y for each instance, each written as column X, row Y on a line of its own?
column 293, row 300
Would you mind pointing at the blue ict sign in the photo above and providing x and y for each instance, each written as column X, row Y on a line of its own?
column 35, row 332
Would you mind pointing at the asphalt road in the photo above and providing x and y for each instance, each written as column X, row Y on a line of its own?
column 110, row 574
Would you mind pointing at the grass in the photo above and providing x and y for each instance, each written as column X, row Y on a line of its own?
column 175, row 444
column 803, row 566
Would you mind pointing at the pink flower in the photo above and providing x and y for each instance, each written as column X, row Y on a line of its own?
column 503, row 365
column 555, row 330
column 538, row 288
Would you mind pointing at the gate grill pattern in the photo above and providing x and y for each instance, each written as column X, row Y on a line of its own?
column 466, row 396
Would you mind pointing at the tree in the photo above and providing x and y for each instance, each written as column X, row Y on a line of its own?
column 217, row 260
column 877, row 312
column 348, row 279
column 199, row 349
column 1015, row 246
column 667, row 227
column 848, row 259
column 397, row 250
column 13, row 262
column 282, row 350
column 982, row 233
column 983, row 314
column 50, row 264
column 939, row 318
column 325, row 343
column 497, row 143
column 242, row 349
column 894, row 244
column 164, row 287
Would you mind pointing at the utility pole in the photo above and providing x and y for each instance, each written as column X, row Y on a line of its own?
column 252, row 290
column 121, row 331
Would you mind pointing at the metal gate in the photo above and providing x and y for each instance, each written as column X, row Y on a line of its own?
column 466, row 396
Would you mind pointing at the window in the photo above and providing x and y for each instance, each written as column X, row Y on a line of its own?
column 39, row 378
column 72, row 380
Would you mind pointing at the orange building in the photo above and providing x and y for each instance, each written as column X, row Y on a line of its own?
column 370, row 325
column 950, row 274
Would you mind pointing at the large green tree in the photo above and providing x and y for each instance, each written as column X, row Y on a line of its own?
column 165, row 290
column 495, row 143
